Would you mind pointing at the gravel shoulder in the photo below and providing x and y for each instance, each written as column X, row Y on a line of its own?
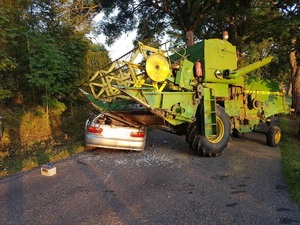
column 165, row 184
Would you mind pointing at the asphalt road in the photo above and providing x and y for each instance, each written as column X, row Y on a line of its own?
column 165, row 184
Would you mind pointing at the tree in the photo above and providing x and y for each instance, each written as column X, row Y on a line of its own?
column 290, row 35
column 8, row 62
column 280, row 20
column 47, row 75
column 257, row 28
column 152, row 18
column 51, row 14
column 252, row 29
column 46, row 42
column 96, row 58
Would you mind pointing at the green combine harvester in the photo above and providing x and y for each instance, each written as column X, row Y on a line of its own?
column 198, row 92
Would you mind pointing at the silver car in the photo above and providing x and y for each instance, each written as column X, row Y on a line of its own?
column 102, row 131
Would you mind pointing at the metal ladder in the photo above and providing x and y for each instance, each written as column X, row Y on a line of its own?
column 210, row 112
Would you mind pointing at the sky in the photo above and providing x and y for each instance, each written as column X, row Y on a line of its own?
column 120, row 47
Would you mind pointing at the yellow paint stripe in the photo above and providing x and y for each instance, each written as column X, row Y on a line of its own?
column 264, row 92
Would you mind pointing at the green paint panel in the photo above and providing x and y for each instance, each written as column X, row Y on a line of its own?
column 232, row 107
column 102, row 105
column 220, row 90
column 219, row 55
column 265, row 95
column 185, row 76
column 168, row 100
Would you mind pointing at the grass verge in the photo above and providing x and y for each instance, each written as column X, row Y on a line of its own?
column 38, row 157
column 31, row 138
column 290, row 152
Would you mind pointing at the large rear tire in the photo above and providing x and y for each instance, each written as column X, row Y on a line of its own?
column 189, row 130
column 212, row 145
column 191, row 133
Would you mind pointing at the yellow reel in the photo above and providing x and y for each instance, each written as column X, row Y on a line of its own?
column 157, row 67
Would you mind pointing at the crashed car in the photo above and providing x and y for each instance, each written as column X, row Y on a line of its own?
column 102, row 131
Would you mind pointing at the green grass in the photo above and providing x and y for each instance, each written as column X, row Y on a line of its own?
column 290, row 152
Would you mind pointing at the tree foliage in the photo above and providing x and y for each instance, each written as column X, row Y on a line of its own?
column 96, row 58
column 43, row 51
column 46, row 71
column 8, row 34
column 152, row 19
column 287, row 30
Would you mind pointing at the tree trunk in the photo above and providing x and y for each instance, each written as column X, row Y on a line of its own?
column 295, row 74
column 296, row 91
column 189, row 35
column 296, row 96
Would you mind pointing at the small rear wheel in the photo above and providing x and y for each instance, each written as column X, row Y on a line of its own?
column 273, row 136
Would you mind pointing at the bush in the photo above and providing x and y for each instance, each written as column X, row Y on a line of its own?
column 34, row 127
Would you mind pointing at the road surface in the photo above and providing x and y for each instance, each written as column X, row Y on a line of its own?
column 166, row 184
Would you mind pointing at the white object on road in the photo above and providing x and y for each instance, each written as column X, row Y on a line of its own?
column 48, row 169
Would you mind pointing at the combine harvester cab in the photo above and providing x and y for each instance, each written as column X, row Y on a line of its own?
column 198, row 92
